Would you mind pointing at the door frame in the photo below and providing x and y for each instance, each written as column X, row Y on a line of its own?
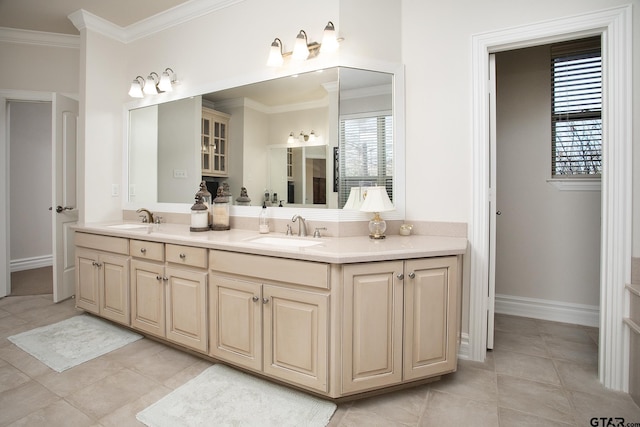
column 615, row 27
column 5, row 220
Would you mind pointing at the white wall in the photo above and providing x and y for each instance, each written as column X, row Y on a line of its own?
column 548, row 241
column 30, row 180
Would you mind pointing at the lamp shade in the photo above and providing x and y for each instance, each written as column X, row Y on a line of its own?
column 166, row 82
column 150, row 85
column 354, row 202
column 275, row 54
column 329, row 39
column 376, row 199
column 135, row 91
column 300, row 48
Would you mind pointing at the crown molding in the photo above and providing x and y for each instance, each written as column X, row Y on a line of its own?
column 39, row 38
column 170, row 18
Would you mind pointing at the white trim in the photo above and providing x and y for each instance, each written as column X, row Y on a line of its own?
column 39, row 38
column 180, row 14
column 576, row 184
column 463, row 350
column 615, row 26
column 31, row 263
column 556, row 311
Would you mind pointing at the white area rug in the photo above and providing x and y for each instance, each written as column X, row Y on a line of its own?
column 222, row 396
column 73, row 341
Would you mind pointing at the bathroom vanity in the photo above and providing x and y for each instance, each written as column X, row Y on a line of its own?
column 334, row 316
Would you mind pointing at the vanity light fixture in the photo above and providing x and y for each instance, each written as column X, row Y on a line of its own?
column 302, row 49
column 167, row 81
column 302, row 137
column 276, row 58
column 376, row 200
column 291, row 138
column 135, row 91
column 151, row 84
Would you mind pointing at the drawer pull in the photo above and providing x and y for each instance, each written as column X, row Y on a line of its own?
column 400, row 276
column 143, row 250
column 183, row 256
column 255, row 298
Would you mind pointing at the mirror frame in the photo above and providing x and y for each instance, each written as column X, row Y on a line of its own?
column 315, row 214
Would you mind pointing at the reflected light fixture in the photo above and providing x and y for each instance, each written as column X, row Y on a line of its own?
column 150, row 84
column 276, row 58
column 300, row 49
column 329, row 39
column 376, row 200
column 135, row 91
column 312, row 136
column 291, row 138
column 167, row 81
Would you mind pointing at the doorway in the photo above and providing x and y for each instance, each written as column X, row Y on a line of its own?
column 615, row 25
column 30, row 171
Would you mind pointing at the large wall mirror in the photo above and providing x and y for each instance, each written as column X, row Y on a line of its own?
column 297, row 142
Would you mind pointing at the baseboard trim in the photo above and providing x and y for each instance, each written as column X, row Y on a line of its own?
column 464, row 351
column 30, row 263
column 557, row 311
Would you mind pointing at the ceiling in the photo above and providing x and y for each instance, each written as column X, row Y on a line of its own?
column 51, row 15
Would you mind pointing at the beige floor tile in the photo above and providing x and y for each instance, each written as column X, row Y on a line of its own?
column 515, row 324
column 535, row 398
column 135, row 353
column 164, row 364
column 469, row 382
column 560, row 348
column 58, row 414
column 525, row 366
column 527, row 344
column 187, row 374
column 488, row 364
column 358, row 418
column 107, row 395
column 573, row 333
column 21, row 401
column 403, row 406
column 444, row 409
column 81, row 376
column 125, row 416
column 4, row 313
column 511, row 418
column 23, row 361
column 580, row 377
column 611, row 404
column 11, row 377
column 23, row 307
column 339, row 414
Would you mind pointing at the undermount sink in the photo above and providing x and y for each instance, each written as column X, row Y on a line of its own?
column 129, row 226
column 290, row 242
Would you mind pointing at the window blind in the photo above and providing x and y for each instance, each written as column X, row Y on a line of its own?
column 366, row 153
column 576, row 120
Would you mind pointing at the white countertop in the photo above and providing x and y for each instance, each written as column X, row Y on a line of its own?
column 335, row 250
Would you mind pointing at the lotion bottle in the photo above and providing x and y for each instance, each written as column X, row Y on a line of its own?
column 263, row 220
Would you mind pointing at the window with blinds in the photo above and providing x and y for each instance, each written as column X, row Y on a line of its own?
column 366, row 153
column 576, row 109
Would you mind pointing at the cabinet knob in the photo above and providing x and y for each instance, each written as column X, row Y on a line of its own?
column 255, row 298
column 400, row 276
column 183, row 256
column 158, row 278
column 143, row 250
column 412, row 275
column 165, row 278
column 265, row 300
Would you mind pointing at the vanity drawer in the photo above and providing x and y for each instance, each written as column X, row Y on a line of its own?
column 187, row 255
column 153, row 251
column 116, row 245
column 285, row 270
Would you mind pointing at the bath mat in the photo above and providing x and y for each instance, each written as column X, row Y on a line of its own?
column 73, row 341
column 222, row 396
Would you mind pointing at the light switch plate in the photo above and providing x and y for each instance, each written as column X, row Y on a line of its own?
column 115, row 190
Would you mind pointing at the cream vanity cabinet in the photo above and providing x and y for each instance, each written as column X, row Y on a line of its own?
column 102, row 276
column 215, row 143
column 400, row 322
column 168, row 292
column 271, row 315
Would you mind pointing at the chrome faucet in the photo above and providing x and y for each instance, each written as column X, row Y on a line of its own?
column 149, row 215
column 302, row 228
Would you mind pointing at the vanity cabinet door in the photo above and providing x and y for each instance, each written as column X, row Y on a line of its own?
column 215, row 143
column 430, row 336
column 186, row 308
column 236, row 317
column 148, row 297
column 114, row 288
column 296, row 336
column 372, row 328
column 87, row 280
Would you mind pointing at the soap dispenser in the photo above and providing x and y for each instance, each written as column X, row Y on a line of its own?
column 263, row 220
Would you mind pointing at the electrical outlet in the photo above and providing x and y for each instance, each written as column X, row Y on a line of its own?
column 115, row 190
column 132, row 189
column 179, row 173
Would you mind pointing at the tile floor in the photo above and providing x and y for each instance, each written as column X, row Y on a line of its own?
column 540, row 373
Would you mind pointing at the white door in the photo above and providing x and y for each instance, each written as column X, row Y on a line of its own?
column 64, row 199
column 493, row 212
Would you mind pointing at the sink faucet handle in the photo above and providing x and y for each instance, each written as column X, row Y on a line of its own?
column 157, row 219
column 144, row 218
column 317, row 232
column 289, row 231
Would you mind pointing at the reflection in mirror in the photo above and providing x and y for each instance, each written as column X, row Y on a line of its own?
column 348, row 110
